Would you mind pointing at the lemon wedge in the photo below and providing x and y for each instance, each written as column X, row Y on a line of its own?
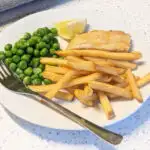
column 69, row 28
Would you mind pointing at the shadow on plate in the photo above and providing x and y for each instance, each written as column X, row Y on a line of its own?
column 124, row 127
column 29, row 8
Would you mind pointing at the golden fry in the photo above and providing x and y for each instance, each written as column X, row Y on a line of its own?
column 56, row 87
column 110, row 89
column 84, row 65
column 84, row 79
column 52, row 76
column 102, row 54
column 106, row 105
column 74, row 58
column 40, row 88
column 140, row 83
column 144, row 80
column 55, row 69
column 99, row 61
column 85, row 99
column 134, row 88
column 123, row 64
column 109, row 70
column 64, row 96
column 53, row 61
column 88, row 90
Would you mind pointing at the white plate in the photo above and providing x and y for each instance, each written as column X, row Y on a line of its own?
column 36, row 113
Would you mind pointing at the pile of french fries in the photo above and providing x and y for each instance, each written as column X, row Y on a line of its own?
column 93, row 77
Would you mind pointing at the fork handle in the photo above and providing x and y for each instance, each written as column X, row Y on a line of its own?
column 107, row 135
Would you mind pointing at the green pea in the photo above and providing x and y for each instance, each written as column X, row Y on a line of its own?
column 22, row 64
column 42, row 31
column 46, row 81
column 8, row 47
column 30, row 50
column 52, row 51
column 36, row 81
column 27, row 36
column 48, row 46
column 37, row 38
column 34, row 76
column 27, row 80
column 46, row 38
column 21, row 76
column 56, row 46
column 36, row 52
column 35, row 62
column 13, row 66
column 54, row 31
column 41, row 45
column 32, row 41
column 8, row 61
column 14, row 50
column 42, row 66
column 47, row 30
column 16, row 58
column 21, row 44
column 44, row 52
column 50, row 35
column 28, row 71
column 40, row 75
column 8, row 53
column 2, row 55
column 19, row 71
column 37, row 70
column 26, row 57
column 20, row 52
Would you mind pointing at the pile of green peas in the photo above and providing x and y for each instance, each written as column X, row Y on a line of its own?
column 24, row 57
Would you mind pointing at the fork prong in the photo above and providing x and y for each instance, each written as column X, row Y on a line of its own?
column 2, row 75
column 6, row 70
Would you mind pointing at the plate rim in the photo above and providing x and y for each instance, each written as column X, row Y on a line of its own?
column 78, row 129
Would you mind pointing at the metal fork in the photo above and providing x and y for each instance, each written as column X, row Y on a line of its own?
column 11, row 82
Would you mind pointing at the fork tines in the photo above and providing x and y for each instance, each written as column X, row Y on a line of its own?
column 4, row 71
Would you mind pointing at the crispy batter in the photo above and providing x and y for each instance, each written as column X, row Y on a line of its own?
column 102, row 40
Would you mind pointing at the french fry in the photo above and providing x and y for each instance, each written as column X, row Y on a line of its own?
column 64, row 96
column 109, row 70
column 119, row 79
column 56, row 87
column 144, row 80
column 99, row 61
column 102, row 54
column 115, row 63
column 55, row 69
column 84, row 98
column 140, row 83
column 88, row 90
column 60, row 95
column 134, row 88
column 40, row 88
column 106, row 105
column 84, row 65
column 123, row 64
column 74, row 58
column 52, row 76
column 106, row 78
column 110, row 89
column 84, row 80
column 53, row 61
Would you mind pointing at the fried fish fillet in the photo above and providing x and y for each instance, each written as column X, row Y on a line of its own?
column 102, row 40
